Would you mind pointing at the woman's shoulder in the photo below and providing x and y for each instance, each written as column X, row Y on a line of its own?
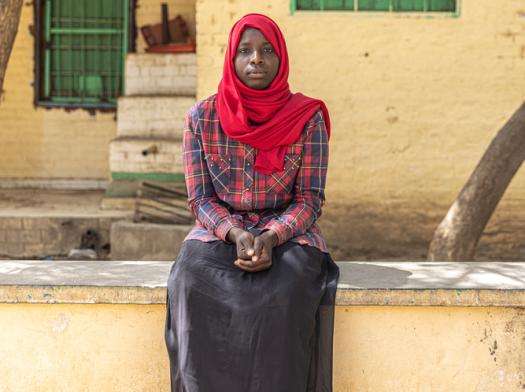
column 316, row 125
column 316, row 118
column 206, row 105
column 203, row 111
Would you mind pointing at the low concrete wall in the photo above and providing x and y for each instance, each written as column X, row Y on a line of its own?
column 69, row 326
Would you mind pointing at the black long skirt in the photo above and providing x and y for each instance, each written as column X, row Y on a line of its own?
column 228, row 330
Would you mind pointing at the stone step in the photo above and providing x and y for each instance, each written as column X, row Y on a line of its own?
column 152, row 116
column 145, row 155
column 161, row 74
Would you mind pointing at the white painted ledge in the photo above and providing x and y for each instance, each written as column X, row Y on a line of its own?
column 360, row 283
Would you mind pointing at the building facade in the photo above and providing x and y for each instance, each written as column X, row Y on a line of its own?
column 416, row 90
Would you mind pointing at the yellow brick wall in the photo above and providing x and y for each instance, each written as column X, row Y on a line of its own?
column 414, row 100
column 40, row 143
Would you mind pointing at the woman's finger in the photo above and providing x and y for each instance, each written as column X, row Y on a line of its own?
column 257, row 248
column 248, row 263
column 259, row 267
column 266, row 254
column 245, row 245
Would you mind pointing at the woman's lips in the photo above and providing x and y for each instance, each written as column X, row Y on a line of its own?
column 257, row 75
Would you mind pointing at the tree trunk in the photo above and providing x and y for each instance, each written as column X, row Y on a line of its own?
column 9, row 18
column 457, row 236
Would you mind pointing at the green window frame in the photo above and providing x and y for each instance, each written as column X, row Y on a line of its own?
column 447, row 6
column 81, row 51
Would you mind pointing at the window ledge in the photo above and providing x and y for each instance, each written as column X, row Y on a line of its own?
column 367, row 13
column 361, row 283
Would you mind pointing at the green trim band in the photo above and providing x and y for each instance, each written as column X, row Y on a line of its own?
column 162, row 177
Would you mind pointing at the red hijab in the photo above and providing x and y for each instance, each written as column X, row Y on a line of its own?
column 280, row 115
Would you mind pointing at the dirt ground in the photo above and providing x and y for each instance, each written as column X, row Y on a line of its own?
column 390, row 230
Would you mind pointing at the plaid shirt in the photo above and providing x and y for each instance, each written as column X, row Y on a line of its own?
column 224, row 191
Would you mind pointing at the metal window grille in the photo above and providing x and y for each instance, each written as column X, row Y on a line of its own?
column 376, row 5
column 83, row 51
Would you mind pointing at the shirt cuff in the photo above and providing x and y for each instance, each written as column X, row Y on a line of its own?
column 283, row 231
column 224, row 226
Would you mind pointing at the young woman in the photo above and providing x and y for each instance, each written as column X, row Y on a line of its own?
column 251, row 295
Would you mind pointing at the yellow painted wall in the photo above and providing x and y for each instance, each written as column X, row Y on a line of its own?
column 414, row 100
column 377, row 349
column 40, row 143
column 429, row 349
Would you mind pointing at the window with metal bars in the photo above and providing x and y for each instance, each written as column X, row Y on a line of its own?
column 376, row 5
column 81, row 49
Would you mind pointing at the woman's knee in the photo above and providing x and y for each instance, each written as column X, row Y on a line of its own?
column 301, row 263
column 193, row 257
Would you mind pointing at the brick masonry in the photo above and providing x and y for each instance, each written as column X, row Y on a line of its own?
column 155, row 117
column 36, row 143
column 161, row 74
column 160, row 90
column 126, row 155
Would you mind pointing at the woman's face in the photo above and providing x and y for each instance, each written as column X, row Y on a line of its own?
column 256, row 62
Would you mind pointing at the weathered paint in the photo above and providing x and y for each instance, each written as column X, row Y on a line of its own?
column 377, row 348
column 414, row 100
column 429, row 349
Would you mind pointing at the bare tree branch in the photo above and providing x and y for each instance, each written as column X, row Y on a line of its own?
column 9, row 19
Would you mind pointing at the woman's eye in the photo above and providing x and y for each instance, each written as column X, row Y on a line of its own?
column 268, row 50
column 243, row 50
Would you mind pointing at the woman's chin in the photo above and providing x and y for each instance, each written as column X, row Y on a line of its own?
column 257, row 84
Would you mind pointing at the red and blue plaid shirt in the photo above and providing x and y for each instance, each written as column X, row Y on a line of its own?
column 225, row 191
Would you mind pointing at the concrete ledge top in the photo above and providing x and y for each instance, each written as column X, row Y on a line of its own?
column 360, row 283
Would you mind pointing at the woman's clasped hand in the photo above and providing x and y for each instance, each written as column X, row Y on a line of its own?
column 254, row 253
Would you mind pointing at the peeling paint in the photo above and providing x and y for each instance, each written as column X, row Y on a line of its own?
column 61, row 323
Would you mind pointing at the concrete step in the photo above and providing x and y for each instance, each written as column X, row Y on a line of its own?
column 35, row 223
column 152, row 116
column 145, row 155
column 50, row 236
column 120, row 193
column 161, row 74
column 146, row 241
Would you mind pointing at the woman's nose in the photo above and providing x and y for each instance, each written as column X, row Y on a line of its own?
column 256, row 57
